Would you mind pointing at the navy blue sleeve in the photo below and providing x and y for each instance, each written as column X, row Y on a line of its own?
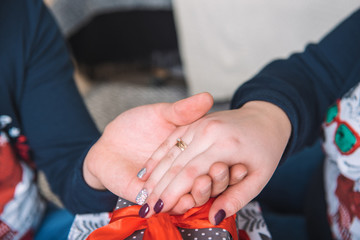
column 306, row 83
column 51, row 111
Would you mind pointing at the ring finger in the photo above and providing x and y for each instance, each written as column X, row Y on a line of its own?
column 158, row 167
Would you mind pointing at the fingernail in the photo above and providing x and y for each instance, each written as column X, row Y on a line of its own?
column 241, row 176
column 141, row 173
column 141, row 197
column 219, row 216
column 221, row 177
column 144, row 210
column 158, row 206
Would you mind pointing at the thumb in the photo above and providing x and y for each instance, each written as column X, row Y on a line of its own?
column 234, row 198
column 188, row 110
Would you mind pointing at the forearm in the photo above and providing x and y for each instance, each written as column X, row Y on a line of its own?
column 79, row 197
column 305, row 84
column 274, row 116
column 53, row 116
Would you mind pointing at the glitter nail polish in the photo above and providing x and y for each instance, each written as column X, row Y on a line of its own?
column 141, row 197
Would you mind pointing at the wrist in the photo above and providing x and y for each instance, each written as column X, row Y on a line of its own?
column 274, row 116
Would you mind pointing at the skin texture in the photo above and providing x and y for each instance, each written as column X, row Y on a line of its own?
column 252, row 139
column 130, row 139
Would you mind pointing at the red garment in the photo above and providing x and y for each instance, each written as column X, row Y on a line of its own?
column 125, row 221
column 10, row 173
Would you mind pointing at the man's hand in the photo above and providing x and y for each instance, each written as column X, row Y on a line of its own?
column 131, row 138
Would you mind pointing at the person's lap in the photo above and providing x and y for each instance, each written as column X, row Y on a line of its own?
column 290, row 194
column 55, row 224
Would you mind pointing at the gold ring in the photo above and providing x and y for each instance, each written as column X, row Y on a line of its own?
column 180, row 144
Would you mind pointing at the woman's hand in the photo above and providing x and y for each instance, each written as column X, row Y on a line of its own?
column 219, row 178
column 254, row 135
column 131, row 138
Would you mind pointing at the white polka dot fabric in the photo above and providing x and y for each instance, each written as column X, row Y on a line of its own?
column 188, row 234
column 249, row 222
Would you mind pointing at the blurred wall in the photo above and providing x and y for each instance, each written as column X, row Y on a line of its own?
column 73, row 14
column 223, row 43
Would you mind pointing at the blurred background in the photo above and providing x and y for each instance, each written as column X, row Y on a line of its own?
column 133, row 52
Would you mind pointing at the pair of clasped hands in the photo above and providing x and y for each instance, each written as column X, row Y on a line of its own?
column 230, row 155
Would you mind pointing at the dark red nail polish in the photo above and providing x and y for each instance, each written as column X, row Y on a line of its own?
column 158, row 206
column 219, row 216
column 144, row 210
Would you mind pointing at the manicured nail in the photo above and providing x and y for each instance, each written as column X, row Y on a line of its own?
column 141, row 173
column 144, row 210
column 219, row 216
column 158, row 206
column 141, row 197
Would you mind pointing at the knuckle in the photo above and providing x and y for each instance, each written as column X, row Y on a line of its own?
column 211, row 126
column 201, row 191
column 172, row 155
column 232, row 142
column 167, row 144
column 174, row 170
column 169, row 158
